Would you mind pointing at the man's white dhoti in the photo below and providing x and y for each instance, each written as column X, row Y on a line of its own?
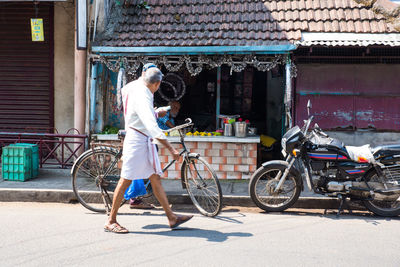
column 140, row 157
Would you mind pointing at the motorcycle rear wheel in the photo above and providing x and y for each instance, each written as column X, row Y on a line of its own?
column 388, row 208
column 262, row 183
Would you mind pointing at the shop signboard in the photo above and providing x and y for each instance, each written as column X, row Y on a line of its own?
column 37, row 30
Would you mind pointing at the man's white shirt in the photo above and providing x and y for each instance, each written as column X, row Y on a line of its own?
column 138, row 109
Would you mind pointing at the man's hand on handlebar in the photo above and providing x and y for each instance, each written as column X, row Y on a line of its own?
column 175, row 153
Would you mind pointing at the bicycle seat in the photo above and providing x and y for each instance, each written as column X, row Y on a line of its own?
column 121, row 133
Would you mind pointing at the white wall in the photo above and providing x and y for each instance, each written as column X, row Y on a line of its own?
column 64, row 24
column 359, row 138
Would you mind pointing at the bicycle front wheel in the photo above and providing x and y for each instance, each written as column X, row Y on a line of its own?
column 94, row 175
column 202, row 186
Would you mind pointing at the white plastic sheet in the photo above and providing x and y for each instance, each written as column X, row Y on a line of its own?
column 362, row 154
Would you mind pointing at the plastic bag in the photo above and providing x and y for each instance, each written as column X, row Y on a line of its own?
column 361, row 154
column 137, row 188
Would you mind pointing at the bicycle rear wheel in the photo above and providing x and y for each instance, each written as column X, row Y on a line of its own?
column 96, row 171
column 202, row 186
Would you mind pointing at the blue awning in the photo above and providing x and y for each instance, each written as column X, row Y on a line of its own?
column 193, row 50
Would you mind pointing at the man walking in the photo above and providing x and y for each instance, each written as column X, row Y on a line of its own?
column 140, row 158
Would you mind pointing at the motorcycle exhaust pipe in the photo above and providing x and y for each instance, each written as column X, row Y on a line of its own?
column 379, row 192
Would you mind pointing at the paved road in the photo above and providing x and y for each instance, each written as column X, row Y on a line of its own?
column 39, row 234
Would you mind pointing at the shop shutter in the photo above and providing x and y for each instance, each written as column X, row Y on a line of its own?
column 350, row 96
column 26, row 68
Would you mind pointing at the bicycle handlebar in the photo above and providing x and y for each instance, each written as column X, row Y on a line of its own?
column 187, row 124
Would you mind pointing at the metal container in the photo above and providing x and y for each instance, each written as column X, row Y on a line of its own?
column 228, row 131
column 240, row 129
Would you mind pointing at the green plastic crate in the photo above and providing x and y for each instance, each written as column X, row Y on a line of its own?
column 35, row 157
column 16, row 163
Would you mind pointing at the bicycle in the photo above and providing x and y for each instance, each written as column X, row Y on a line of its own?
column 97, row 169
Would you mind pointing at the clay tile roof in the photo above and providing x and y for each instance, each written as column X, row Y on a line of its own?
column 236, row 22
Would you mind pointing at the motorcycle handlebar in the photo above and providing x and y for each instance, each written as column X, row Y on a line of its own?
column 307, row 125
column 319, row 131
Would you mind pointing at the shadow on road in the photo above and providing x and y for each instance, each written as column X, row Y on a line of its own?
column 234, row 213
column 367, row 216
column 210, row 235
column 230, row 219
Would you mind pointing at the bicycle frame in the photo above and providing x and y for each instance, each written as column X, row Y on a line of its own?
column 185, row 152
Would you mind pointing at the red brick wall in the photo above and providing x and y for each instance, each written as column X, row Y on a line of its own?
column 229, row 160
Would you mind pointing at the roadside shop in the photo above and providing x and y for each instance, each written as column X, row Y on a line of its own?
column 232, row 74
column 212, row 89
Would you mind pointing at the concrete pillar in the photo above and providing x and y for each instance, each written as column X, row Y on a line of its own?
column 218, row 98
column 92, row 100
column 80, row 90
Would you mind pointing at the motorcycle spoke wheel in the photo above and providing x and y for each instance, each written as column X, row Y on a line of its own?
column 265, row 186
column 262, row 189
column 390, row 207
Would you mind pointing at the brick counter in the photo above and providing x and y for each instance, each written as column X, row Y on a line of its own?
column 230, row 157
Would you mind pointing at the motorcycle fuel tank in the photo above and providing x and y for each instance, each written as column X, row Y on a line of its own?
column 339, row 160
column 327, row 155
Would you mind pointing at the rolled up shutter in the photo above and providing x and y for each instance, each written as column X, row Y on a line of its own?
column 26, row 68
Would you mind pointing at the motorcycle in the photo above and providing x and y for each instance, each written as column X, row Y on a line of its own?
column 370, row 175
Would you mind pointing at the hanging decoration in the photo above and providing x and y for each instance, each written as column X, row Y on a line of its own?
column 195, row 64
column 293, row 70
column 121, row 81
column 175, row 84
column 170, row 67
column 131, row 69
column 114, row 67
column 193, row 70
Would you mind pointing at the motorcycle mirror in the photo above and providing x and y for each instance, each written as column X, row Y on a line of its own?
column 308, row 107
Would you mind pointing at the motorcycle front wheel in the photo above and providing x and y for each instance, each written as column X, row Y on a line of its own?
column 387, row 207
column 262, row 188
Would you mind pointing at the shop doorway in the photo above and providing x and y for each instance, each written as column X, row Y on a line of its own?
column 254, row 95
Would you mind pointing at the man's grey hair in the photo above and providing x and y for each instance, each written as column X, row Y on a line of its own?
column 153, row 75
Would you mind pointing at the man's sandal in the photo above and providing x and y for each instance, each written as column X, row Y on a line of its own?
column 181, row 219
column 115, row 228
